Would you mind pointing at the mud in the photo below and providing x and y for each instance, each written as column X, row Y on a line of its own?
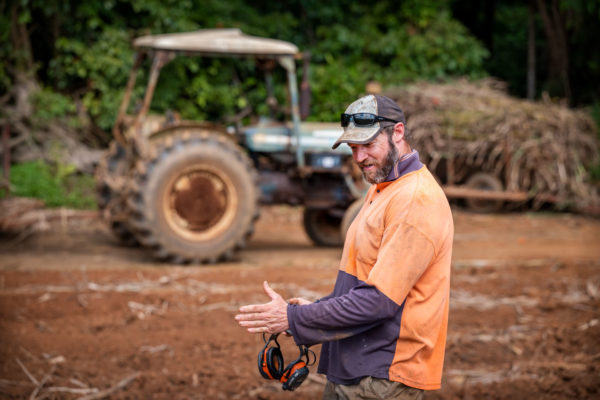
column 83, row 317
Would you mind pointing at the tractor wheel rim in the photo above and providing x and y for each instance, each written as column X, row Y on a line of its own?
column 200, row 203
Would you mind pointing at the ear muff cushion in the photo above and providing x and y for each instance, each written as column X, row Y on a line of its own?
column 294, row 374
column 270, row 363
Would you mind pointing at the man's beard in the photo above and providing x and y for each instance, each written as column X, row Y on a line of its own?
column 381, row 171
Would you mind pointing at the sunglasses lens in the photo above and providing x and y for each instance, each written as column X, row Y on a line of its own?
column 364, row 119
column 360, row 119
column 346, row 120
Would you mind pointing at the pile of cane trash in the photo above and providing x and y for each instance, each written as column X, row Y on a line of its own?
column 541, row 148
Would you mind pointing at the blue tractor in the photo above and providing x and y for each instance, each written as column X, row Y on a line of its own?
column 191, row 191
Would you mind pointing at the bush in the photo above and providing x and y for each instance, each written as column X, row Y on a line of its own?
column 57, row 185
column 49, row 105
column 102, row 68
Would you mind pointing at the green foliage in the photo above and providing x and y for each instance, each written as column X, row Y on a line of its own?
column 594, row 111
column 394, row 48
column 57, row 185
column 511, row 27
column 206, row 89
column 595, row 172
column 347, row 79
column 583, row 29
column 351, row 43
column 5, row 52
column 440, row 50
column 102, row 68
column 50, row 105
column 503, row 26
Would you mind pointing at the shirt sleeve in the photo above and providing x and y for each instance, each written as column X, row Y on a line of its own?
column 330, row 295
column 361, row 309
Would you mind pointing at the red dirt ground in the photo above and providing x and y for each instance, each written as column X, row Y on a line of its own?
column 87, row 318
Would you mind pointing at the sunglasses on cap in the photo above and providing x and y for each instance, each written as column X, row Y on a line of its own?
column 363, row 119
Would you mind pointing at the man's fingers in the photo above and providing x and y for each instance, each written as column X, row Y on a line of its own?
column 262, row 329
column 253, row 308
column 249, row 317
column 266, row 318
column 252, row 324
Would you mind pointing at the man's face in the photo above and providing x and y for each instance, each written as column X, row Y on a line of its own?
column 376, row 158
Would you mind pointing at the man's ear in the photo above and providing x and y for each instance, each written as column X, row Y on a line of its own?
column 398, row 132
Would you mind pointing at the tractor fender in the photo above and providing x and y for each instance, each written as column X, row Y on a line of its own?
column 181, row 127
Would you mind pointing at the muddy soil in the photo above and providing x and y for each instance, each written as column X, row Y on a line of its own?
column 83, row 317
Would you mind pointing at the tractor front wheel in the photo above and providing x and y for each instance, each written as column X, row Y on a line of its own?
column 323, row 226
column 349, row 215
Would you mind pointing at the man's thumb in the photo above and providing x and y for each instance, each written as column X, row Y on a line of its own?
column 270, row 292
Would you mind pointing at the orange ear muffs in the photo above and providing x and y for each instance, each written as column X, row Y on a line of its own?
column 294, row 374
column 270, row 362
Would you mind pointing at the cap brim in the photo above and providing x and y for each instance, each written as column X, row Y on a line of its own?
column 357, row 135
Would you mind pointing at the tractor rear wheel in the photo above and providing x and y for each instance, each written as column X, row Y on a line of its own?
column 196, row 200
column 323, row 226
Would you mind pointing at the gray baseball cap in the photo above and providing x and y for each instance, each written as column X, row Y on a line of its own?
column 378, row 105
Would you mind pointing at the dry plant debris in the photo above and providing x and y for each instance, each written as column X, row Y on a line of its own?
column 540, row 148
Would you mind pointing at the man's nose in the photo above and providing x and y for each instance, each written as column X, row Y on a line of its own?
column 359, row 153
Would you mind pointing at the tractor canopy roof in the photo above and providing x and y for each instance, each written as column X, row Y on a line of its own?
column 218, row 42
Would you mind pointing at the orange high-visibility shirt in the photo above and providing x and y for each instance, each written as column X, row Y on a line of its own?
column 388, row 314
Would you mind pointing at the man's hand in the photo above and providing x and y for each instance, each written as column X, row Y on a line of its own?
column 265, row 318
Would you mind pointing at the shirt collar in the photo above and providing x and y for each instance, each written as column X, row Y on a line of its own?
column 409, row 162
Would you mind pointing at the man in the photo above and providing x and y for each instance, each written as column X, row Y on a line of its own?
column 384, row 326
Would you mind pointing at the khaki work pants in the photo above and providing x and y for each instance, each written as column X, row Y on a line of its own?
column 371, row 388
